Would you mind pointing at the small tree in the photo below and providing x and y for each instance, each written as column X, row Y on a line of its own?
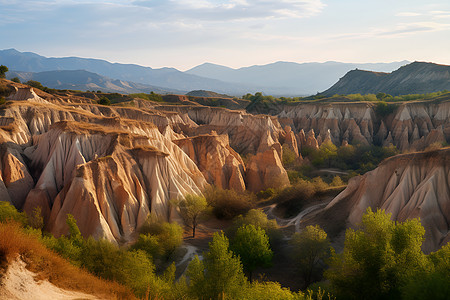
column 378, row 258
column 310, row 248
column 252, row 245
column 219, row 274
column 193, row 209
column 3, row 70
column 16, row 79
column 104, row 101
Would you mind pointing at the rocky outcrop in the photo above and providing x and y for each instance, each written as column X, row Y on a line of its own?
column 406, row 186
column 265, row 170
column 413, row 126
column 109, row 180
column 219, row 163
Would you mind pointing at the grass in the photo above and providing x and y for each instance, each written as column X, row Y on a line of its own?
column 50, row 266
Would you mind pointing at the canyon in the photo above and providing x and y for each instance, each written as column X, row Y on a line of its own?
column 113, row 166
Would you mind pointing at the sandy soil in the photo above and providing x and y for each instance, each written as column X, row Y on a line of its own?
column 19, row 283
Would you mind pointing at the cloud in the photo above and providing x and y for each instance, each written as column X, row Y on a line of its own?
column 408, row 14
column 228, row 10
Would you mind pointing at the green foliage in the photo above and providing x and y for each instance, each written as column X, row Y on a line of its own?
column 434, row 283
column 270, row 291
column 15, row 79
column 35, row 84
column 159, row 239
column 192, row 209
column 149, row 97
column 378, row 259
column 149, row 244
column 383, row 109
column 257, row 218
column 227, row 204
column 35, row 219
column 104, row 101
column 252, row 245
column 289, row 158
column 9, row 213
column 310, row 249
column 337, row 181
column 219, row 274
column 3, row 70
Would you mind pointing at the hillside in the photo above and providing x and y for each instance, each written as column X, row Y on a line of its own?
column 83, row 80
column 415, row 78
column 288, row 78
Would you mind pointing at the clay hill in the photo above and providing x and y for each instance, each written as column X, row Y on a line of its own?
column 414, row 78
column 112, row 166
column 415, row 185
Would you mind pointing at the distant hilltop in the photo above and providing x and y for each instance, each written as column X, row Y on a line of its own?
column 414, row 78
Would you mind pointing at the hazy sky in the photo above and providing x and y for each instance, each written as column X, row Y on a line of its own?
column 235, row 33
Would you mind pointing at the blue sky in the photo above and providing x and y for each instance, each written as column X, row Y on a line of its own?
column 234, row 33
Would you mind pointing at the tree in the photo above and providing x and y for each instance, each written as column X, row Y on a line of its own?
column 252, row 245
column 104, row 101
column 192, row 209
column 219, row 274
column 16, row 79
column 3, row 70
column 35, row 84
column 257, row 218
column 311, row 248
column 378, row 258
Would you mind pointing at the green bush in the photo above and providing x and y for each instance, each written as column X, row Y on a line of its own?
column 227, row 204
column 378, row 258
column 258, row 218
column 251, row 243
column 166, row 237
column 104, row 101
column 9, row 213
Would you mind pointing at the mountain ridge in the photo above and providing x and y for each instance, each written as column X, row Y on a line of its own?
column 414, row 78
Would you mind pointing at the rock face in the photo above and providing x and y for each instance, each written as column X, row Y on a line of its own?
column 412, row 126
column 406, row 186
column 219, row 163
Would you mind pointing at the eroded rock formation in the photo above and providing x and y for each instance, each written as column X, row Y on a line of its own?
column 406, row 186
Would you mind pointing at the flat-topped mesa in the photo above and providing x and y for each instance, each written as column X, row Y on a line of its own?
column 244, row 130
column 407, row 186
column 219, row 163
column 109, row 180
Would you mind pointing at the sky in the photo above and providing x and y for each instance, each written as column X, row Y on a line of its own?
column 234, row 33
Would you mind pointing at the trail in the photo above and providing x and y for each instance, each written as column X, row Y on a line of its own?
column 295, row 220
column 190, row 253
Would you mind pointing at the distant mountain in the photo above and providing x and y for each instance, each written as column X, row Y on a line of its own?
column 414, row 78
column 288, row 78
column 84, row 80
column 169, row 78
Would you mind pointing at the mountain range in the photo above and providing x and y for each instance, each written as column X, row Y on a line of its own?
column 279, row 79
column 84, row 80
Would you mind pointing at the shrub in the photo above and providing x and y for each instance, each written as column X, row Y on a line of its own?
column 9, row 213
column 228, row 204
column 378, row 258
column 257, row 218
column 219, row 274
column 311, row 248
column 168, row 236
column 35, row 84
column 104, row 101
column 251, row 243
column 15, row 79
column 3, row 70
